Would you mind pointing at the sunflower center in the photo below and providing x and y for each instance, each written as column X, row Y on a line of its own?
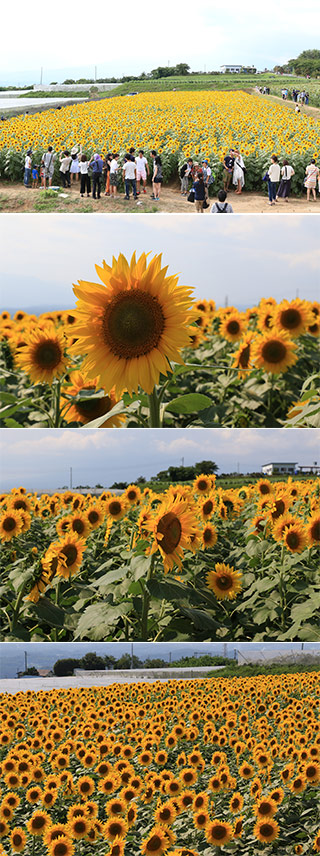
column 170, row 527
column 201, row 819
column 38, row 822
column 132, row 494
column 202, row 484
column 315, row 530
column 17, row 839
column 78, row 526
column 290, row 319
column 265, row 808
column 93, row 516
column 264, row 488
column 280, row 508
column 208, row 506
column 94, row 406
column 218, row 832
column 165, row 814
column 233, row 327
column 9, row 524
column 115, row 829
column 133, row 324
column 224, row 582
column 266, row 830
column 154, row 844
column 274, row 351
column 85, row 787
column 47, row 355
column 292, row 539
column 244, row 357
column 70, row 552
column 114, row 508
column 20, row 503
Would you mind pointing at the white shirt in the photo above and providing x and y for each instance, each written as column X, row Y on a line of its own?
column 27, row 163
column 141, row 163
column 274, row 172
column 114, row 165
column 65, row 164
column 129, row 169
column 287, row 172
column 84, row 167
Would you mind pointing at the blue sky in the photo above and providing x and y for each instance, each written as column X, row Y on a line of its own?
column 243, row 257
column 207, row 35
column 40, row 459
column 44, row 655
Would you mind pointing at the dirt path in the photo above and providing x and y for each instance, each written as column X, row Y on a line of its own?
column 15, row 198
column 305, row 108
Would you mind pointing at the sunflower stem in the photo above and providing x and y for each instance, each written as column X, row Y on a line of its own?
column 34, row 842
column 146, row 603
column 17, row 609
column 57, row 598
column 282, row 590
column 154, row 409
column 57, row 404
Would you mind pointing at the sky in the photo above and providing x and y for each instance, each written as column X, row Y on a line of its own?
column 239, row 258
column 40, row 459
column 44, row 655
column 225, row 33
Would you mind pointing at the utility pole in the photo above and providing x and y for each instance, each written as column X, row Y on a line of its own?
column 25, row 661
column 95, row 72
column 41, row 75
column 131, row 656
column 70, row 478
column 182, row 461
column 226, row 301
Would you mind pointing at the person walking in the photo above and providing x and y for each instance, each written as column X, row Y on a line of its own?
column 284, row 188
column 75, row 167
column 106, row 170
column 129, row 172
column 221, row 206
column 312, row 174
column 48, row 160
column 273, row 176
column 27, row 168
column 85, row 182
column 199, row 192
column 142, row 171
column 238, row 171
column 157, row 177
column 97, row 164
column 65, row 163
column 207, row 177
column 185, row 173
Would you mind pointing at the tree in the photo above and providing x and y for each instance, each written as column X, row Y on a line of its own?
column 119, row 485
column 92, row 661
column 31, row 671
column 157, row 663
column 125, row 662
column 208, row 468
column 182, row 68
column 65, row 667
column 141, row 480
column 68, row 81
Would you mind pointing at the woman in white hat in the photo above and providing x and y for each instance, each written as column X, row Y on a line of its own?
column 75, row 167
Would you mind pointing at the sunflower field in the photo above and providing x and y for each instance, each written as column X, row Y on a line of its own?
column 139, row 351
column 195, row 561
column 177, row 124
column 182, row 768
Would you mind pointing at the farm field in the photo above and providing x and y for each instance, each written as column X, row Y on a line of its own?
column 140, row 351
column 184, row 768
column 202, row 124
column 196, row 561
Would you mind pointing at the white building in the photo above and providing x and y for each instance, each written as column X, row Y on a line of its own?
column 234, row 69
column 277, row 468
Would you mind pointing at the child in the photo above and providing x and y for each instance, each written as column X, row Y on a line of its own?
column 35, row 176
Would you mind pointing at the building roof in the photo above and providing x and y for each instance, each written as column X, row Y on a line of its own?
column 279, row 464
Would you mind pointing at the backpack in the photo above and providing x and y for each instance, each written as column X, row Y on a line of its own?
column 222, row 210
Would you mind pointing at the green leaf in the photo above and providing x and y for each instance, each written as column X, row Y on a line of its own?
column 190, row 403
column 50, row 613
column 98, row 620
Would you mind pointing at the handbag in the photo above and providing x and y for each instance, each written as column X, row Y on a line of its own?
column 190, row 198
column 205, row 204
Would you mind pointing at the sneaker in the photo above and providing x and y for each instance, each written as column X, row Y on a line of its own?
column 144, row 190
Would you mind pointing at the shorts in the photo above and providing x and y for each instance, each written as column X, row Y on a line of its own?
column 113, row 179
column 157, row 180
column 141, row 175
column 48, row 171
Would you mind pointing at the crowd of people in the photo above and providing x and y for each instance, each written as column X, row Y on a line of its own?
column 296, row 95
column 105, row 174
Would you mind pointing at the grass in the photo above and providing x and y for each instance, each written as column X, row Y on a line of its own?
column 251, row 670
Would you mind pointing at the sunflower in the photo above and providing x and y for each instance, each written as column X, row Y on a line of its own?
column 293, row 317
column 166, row 813
column 236, row 802
column 18, row 839
column 203, row 484
column 132, row 325
column 79, row 523
column 95, row 515
column 218, row 832
column 313, row 528
column 116, row 507
column 43, row 357
column 266, row 830
column 316, row 843
column 117, row 847
column 84, row 408
column 86, row 786
column 78, row 827
column 233, row 326
column 156, row 843
column 224, row 581
column 242, row 357
column 209, row 536
column 265, row 808
column 11, row 524
column 264, row 487
column 115, row 827
column 207, row 507
column 70, row 555
column 38, row 823
column 295, row 537
column 61, row 846
column 172, row 529
column 201, row 819
column 274, row 352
